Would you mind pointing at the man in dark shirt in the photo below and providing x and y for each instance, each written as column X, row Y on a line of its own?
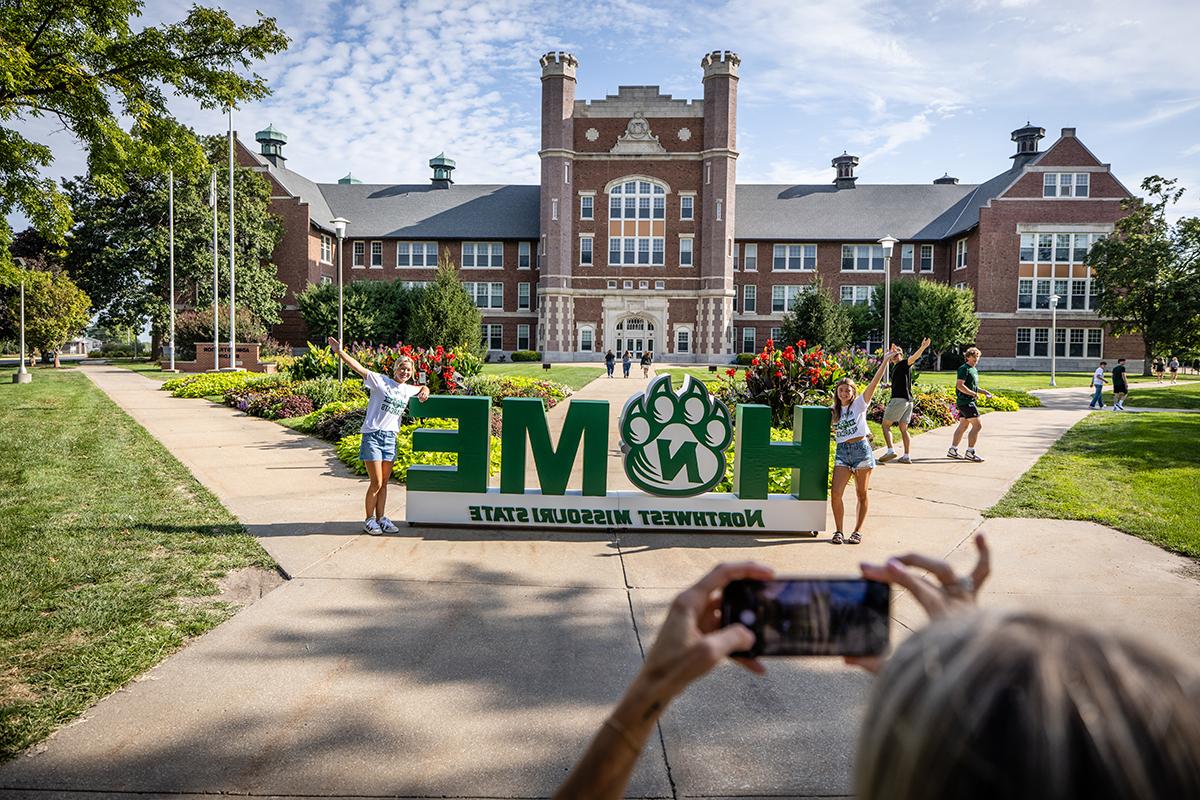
column 900, row 407
column 1120, row 385
column 966, row 390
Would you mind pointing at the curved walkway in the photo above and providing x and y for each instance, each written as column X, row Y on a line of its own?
column 472, row 663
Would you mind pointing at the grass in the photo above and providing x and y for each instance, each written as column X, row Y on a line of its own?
column 573, row 376
column 699, row 373
column 150, row 369
column 1132, row 472
column 110, row 552
column 1153, row 395
column 1025, row 381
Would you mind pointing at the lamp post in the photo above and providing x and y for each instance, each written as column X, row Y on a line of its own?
column 212, row 201
column 22, row 375
column 339, row 227
column 232, row 281
column 171, row 217
column 1054, row 298
column 889, row 244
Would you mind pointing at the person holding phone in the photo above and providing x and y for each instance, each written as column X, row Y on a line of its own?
column 853, row 456
column 385, row 407
column 966, row 392
column 1099, row 715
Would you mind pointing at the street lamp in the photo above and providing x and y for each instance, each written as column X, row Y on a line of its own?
column 339, row 226
column 22, row 375
column 1054, row 298
column 889, row 244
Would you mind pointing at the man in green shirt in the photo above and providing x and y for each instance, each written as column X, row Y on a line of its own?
column 966, row 390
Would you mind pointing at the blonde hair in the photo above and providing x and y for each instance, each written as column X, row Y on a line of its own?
column 1018, row 704
column 837, row 401
column 403, row 359
column 972, row 351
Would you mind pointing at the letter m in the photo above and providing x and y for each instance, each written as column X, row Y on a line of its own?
column 586, row 423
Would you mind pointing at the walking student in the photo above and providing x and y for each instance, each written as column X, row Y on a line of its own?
column 647, row 357
column 966, row 391
column 1120, row 385
column 626, row 360
column 610, row 361
column 1098, row 385
column 1159, row 367
column 900, row 408
column 388, row 399
column 853, row 456
column 1173, row 366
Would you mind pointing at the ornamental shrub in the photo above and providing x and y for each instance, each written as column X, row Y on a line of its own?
column 526, row 355
column 340, row 424
column 208, row 383
column 743, row 359
column 999, row 403
column 293, row 405
column 1022, row 399
column 499, row 387
column 316, row 363
column 321, row 391
column 784, row 378
column 347, row 450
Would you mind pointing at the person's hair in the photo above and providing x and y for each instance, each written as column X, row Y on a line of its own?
column 837, row 401
column 1104, row 363
column 1120, row 361
column 972, row 351
column 1018, row 704
column 401, row 360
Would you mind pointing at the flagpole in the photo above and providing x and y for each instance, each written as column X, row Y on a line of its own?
column 171, row 215
column 232, row 333
column 212, row 201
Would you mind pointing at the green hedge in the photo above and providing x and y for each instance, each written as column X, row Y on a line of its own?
column 743, row 358
column 209, row 383
column 526, row 355
column 347, row 451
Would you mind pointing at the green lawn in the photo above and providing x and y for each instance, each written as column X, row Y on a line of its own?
column 110, row 553
column 1134, row 472
column 1154, row 395
column 699, row 373
column 150, row 369
column 574, row 376
column 1025, row 381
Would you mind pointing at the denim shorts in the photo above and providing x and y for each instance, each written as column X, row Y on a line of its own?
column 855, row 455
column 377, row 446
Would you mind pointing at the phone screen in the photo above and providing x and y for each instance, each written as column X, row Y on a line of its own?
column 810, row 616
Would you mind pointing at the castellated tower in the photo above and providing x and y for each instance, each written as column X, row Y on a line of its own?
column 555, row 308
column 714, row 333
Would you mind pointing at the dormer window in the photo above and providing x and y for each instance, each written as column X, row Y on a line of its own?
column 1066, row 184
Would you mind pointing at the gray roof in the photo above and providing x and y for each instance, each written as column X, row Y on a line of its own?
column 299, row 186
column 489, row 211
column 964, row 215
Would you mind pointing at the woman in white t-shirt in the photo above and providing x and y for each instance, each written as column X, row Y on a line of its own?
column 853, row 455
column 388, row 399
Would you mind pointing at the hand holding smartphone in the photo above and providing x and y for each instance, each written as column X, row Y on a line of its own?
column 810, row 616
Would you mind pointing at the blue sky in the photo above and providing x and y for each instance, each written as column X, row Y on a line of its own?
column 914, row 89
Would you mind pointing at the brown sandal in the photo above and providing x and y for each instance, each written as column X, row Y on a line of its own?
column 856, row 538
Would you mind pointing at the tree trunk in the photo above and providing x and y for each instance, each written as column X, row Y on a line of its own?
column 939, row 361
column 56, row 359
column 1148, row 358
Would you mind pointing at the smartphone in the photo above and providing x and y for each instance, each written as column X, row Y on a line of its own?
column 810, row 616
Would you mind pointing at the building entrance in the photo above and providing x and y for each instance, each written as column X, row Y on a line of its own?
column 635, row 334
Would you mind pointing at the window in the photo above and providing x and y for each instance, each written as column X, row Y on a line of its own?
column 708, row 172
column 794, row 256
column 523, row 337
column 567, row 172
column 1025, row 293
column 523, row 251
column 482, row 255
column 660, row 285
column 906, row 258
column 637, row 200
column 376, row 255
column 1060, row 342
column 862, row 257
column 750, row 299
column 327, row 249
column 748, row 340
column 737, row 250
column 554, row 209
column 627, row 284
column 636, row 250
column 784, row 297
column 751, row 264
column 360, row 253
column 1066, row 184
column 961, row 285
column 585, row 251
column 1068, row 342
column 585, row 339
column 1028, row 247
column 1024, row 342
column 960, row 254
column 612, row 284
column 492, row 336
column 685, row 251
column 1062, row 248
column 926, row 258
column 856, row 295
column 416, row 254
column 413, row 284
column 326, row 280
column 643, row 284
column 736, row 294
column 718, row 211
column 776, row 334
column 1050, row 254
column 522, row 297
column 486, row 295
column 687, row 207
column 587, row 205
column 1094, row 340
column 1076, row 343
column 683, row 340
column 1041, row 342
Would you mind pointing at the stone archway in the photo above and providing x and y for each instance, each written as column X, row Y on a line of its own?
column 638, row 333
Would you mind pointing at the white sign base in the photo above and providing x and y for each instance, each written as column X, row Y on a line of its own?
column 715, row 512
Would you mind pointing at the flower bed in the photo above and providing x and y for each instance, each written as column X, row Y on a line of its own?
column 499, row 387
column 347, row 450
column 784, row 378
column 204, row 384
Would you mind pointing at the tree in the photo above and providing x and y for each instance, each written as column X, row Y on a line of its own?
column 923, row 308
column 56, row 310
column 118, row 249
column 85, row 65
column 444, row 313
column 1147, row 273
column 374, row 312
column 818, row 318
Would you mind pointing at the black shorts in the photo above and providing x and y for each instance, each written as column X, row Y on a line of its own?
column 1120, row 388
column 967, row 410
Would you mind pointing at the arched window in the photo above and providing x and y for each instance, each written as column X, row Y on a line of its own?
column 640, row 204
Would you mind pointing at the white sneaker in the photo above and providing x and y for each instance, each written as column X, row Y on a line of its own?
column 372, row 527
column 388, row 526
column 904, row 459
column 953, row 453
column 971, row 455
column 888, row 456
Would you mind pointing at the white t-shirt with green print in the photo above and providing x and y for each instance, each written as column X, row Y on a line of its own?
column 387, row 402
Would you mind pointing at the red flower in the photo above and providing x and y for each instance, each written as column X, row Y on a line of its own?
column 789, row 355
column 778, row 374
column 801, row 344
column 770, row 344
column 754, row 361
column 731, row 372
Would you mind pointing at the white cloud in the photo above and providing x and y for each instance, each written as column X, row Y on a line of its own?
column 1162, row 113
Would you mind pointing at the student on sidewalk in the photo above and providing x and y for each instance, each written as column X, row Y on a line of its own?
column 966, row 391
column 1120, row 385
column 1159, row 367
column 900, row 408
column 647, row 357
column 1173, row 366
column 388, row 399
column 626, row 360
column 853, row 456
column 610, row 362
column 1098, row 386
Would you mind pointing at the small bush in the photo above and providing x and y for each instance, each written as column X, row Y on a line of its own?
column 743, row 359
column 1022, row 399
column 320, row 391
column 208, row 383
column 337, row 426
column 999, row 403
column 499, row 387
column 294, row 405
column 347, row 450
column 526, row 355
column 316, row 363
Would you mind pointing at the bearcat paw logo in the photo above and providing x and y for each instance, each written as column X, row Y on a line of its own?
column 675, row 442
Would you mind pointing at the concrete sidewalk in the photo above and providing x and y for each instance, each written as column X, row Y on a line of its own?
column 469, row 663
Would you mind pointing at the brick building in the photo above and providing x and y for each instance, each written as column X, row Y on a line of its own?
column 639, row 236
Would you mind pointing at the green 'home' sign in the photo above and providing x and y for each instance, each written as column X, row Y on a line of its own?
column 674, row 447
